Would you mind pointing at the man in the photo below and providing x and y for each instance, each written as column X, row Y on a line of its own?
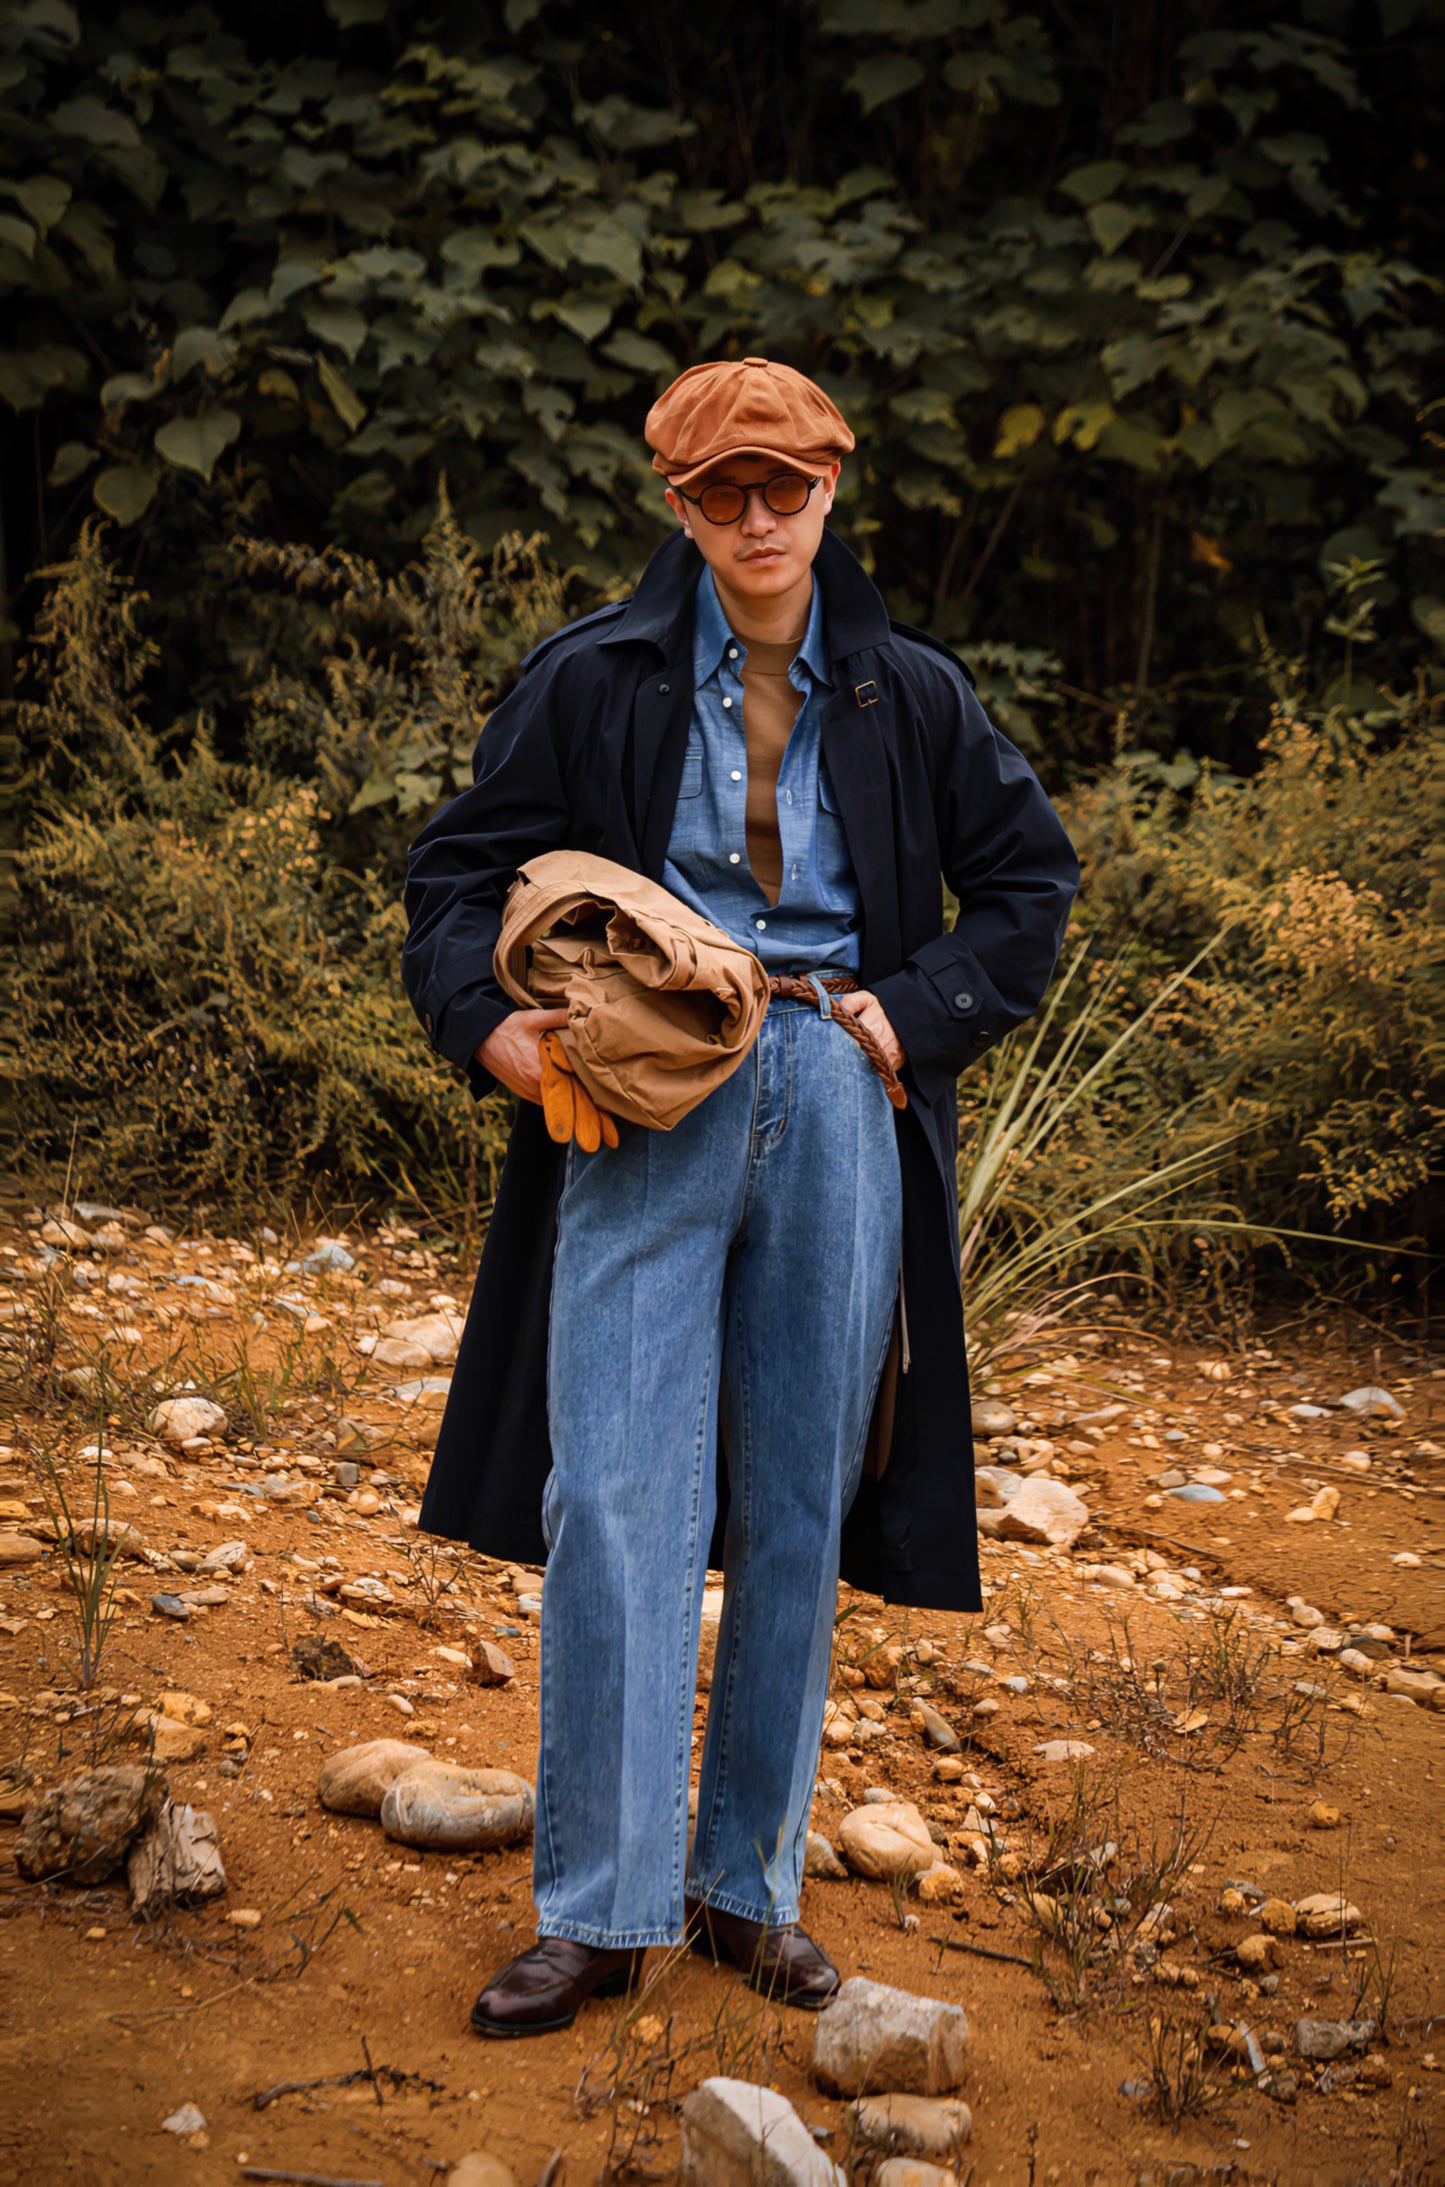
column 740, row 1341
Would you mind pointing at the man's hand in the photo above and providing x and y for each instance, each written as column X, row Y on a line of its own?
column 510, row 1053
column 875, row 1017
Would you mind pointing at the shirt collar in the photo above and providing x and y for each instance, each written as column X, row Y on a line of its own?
column 712, row 634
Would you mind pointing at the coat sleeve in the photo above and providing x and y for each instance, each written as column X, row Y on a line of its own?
column 1005, row 854
column 464, row 862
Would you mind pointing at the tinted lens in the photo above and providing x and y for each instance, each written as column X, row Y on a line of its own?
column 722, row 504
column 786, row 494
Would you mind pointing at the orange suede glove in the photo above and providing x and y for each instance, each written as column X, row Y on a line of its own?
column 569, row 1110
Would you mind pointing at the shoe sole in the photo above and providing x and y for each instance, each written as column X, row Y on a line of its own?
column 615, row 1985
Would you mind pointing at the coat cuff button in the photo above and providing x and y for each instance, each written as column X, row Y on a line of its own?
column 963, row 1002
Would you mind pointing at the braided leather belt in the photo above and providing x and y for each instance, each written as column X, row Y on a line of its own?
column 790, row 987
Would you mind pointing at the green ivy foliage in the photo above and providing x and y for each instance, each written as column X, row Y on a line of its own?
column 1132, row 341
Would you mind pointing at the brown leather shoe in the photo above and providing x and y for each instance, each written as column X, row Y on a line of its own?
column 546, row 1987
column 783, row 1965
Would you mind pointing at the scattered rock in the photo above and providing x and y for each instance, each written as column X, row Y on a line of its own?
column 19, row 1549
column 1322, row 2040
column 318, row 1658
column 329, row 1257
column 991, row 1420
column 913, row 2126
column 735, row 2134
column 1196, row 1492
column 939, row 1885
column 873, row 2038
column 1327, row 1913
column 1373, row 1401
column 1257, row 1954
column 188, row 2120
column 821, row 1862
column 434, row 1337
column 226, row 1557
column 993, row 1486
column 1064, row 1750
column 1407, row 1558
column 244, row 1917
column 1324, row 1817
column 1277, row 1916
column 94, row 1537
column 176, row 1419
column 83, row 1829
column 444, row 1804
column 479, row 2168
column 886, row 1838
column 177, row 1863
column 1040, row 1511
column 912, row 2172
column 937, row 1731
column 491, row 1665
column 165, row 1739
column 170, row 1606
column 357, row 1780
column 1412, row 1685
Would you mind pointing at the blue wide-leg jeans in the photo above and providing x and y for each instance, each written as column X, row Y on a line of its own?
column 743, row 1264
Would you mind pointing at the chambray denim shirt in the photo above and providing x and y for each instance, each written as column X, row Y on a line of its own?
column 816, row 922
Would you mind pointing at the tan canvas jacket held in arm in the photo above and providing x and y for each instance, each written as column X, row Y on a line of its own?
column 661, row 1005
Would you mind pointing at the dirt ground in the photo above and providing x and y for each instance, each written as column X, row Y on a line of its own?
column 1219, row 1741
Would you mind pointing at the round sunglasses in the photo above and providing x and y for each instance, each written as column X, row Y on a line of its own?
column 787, row 493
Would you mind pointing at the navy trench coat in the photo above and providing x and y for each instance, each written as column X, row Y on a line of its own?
column 586, row 753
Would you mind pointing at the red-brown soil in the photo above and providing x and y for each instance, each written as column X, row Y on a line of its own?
column 366, row 1951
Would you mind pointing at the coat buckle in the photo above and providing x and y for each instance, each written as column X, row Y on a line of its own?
column 866, row 693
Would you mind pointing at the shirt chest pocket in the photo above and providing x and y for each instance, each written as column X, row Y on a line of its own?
column 687, row 818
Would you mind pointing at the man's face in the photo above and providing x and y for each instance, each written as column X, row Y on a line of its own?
column 759, row 554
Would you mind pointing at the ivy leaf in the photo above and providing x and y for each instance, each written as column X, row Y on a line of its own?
column 629, row 128
column 71, row 458
column 339, row 324
column 198, row 345
column 343, row 397
column 1082, row 423
column 125, row 491
column 44, row 198
column 194, row 444
column 1018, row 428
column 1110, row 223
column 1087, row 185
column 18, row 234
column 883, row 77
column 97, row 124
column 637, row 353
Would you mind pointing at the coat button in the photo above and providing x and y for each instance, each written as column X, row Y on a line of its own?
column 663, row 689
column 963, row 1002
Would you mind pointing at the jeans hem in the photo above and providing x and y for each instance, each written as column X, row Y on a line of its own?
column 774, row 1916
column 607, row 1940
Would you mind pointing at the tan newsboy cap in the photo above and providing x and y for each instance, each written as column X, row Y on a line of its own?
column 745, row 406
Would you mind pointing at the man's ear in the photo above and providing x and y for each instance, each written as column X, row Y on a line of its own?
column 679, row 509
column 831, row 476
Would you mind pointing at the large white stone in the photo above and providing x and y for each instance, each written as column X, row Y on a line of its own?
column 735, row 2134
column 886, row 1838
column 446, row 1806
column 1042, row 1511
column 357, row 1780
column 437, row 1335
column 872, row 2038
column 914, row 2126
column 177, row 1419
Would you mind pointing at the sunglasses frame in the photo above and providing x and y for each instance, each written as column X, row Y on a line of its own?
column 759, row 486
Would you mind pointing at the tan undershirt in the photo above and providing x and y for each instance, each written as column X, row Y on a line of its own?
column 771, row 704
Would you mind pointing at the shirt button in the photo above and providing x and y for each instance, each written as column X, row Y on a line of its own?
column 732, row 652
column 735, row 858
column 963, row 1002
column 760, row 924
column 790, row 797
column 727, row 702
column 737, row 774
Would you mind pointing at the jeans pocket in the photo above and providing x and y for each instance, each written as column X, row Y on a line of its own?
column 550, row 1511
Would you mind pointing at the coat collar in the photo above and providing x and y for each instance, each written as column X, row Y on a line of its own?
column 660, row 612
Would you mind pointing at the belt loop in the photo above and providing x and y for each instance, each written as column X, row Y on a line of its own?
column 825, row 1000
